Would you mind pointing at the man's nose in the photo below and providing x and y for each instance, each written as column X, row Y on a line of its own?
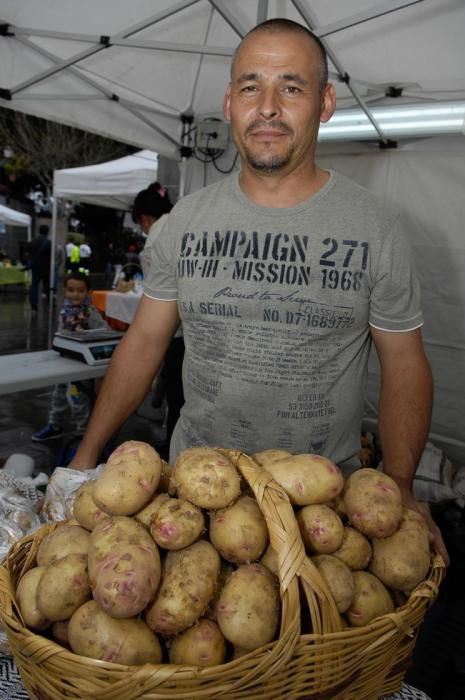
column 270, row 104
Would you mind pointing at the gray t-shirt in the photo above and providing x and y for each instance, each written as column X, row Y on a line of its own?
column 276, row 306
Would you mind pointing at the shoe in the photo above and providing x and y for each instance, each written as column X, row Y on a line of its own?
column 47, row 433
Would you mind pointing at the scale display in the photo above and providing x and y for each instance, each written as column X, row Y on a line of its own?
column 94, row 347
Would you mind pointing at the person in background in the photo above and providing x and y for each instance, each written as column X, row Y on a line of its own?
column 283, row 275
column 150, row 206
column 60, row 260
column 131, row 265
column 85, row 253
column 76, row 314
column 73, row 256
column 39, row 252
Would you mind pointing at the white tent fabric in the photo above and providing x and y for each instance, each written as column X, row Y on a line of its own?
column 112, row 184
column 425, row 183
column 11, row 217
column 133, row 70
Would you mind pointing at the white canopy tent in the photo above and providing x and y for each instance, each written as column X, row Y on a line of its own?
column 11, row 217
column 112, row 184
column 153, row 74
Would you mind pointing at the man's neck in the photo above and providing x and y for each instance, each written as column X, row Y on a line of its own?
column 281, row 191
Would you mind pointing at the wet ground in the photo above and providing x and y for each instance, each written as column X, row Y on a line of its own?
column 23, row 413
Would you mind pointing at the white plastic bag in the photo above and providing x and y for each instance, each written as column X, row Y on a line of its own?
column 61, row 490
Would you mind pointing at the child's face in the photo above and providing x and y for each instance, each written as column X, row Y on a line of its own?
column 76, row 291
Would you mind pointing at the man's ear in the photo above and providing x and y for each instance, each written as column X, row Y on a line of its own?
column 227, row 103
column 328, row 103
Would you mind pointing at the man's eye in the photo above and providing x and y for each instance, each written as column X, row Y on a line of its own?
column 248, row 88
column 292, row 89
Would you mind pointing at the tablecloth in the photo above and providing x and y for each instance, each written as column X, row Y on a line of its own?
column 117, row 307
column 13, row 275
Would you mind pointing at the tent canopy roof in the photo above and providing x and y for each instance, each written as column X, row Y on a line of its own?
column 112, row 184
column 129, row 71
column 11, row 217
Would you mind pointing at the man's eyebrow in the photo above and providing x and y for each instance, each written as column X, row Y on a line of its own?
column 291, row 77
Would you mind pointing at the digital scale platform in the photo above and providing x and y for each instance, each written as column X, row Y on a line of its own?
column 94, row 347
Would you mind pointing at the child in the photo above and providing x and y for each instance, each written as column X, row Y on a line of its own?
column 77, row 314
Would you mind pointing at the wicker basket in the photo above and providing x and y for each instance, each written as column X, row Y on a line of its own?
column 331, row 663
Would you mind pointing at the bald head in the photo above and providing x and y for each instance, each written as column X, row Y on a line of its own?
column 280, row 25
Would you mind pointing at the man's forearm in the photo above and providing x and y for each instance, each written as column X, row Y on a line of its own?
column 404, row 420
column 126, row 383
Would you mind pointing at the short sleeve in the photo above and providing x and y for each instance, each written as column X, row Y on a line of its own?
column 157, row 261
column 395, row 297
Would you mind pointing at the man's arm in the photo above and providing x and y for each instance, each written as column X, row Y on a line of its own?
column 129, row 375
column 405, row 405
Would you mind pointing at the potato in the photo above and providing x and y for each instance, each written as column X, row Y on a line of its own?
column 206, row 478
column 188, row 585
column 26, row 597
column 355, row 549
column 266, row 456
column 63, row 587
column 249, row 607
column 373, row 503
column 72, row 539
column 115, row 529
column 60, row 633
column 124, row 571
column 402, row 560
column 307, row 478
column 226, row 569
column 371, row 599
column 270, row 560
column 321, row 528
column 200, row 645
column 177, row 524
column 239, row 532
column 129, row 479
column 85, row 510
column 166, row 484
column 93, row 633
column 145, row 515
column 338, row 577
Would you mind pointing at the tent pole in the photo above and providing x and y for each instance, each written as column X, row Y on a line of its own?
column 52, row 269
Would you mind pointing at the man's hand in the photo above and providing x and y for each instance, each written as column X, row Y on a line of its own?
column 435, row 535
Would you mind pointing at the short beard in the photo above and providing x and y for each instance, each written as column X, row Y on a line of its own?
column 268, row 164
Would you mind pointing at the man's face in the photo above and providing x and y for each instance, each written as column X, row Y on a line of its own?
column 274, row 101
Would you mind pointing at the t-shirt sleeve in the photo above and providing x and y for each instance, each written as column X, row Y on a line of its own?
column 395, row 297
column 157, row 263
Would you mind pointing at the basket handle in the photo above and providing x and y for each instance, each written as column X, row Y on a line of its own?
column 287, row 542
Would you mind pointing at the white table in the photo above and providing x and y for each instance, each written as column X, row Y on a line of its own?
column 122, row 306
column 30, row 370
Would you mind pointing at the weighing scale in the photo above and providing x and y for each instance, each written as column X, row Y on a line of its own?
column 94, row 347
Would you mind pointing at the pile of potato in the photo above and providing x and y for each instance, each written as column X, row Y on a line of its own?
column 173, row 564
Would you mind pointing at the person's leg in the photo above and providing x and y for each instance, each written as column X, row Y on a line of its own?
column 58, row 407
column 56, row 416
column 34, row 289
column 79, row 399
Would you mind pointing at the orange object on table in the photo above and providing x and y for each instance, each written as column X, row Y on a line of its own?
column 99, row 300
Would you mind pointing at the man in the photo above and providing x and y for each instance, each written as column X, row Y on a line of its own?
column 39, row 264
column 281, row 276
